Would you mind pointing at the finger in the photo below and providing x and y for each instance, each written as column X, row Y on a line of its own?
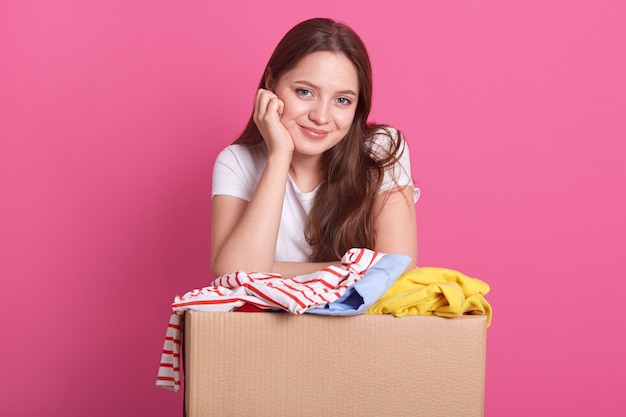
column 281, row 108
column 257, row 98
column 275, row 109
column 260, row 104
column 263, row 100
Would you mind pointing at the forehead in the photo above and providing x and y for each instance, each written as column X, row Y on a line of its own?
column 326, row 70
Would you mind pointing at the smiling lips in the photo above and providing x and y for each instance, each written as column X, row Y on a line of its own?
column 313, row 133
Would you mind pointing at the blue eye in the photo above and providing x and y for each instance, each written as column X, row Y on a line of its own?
column 344, row 101
column 303, row 92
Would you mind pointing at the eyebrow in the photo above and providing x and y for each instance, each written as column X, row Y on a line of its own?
column 343, row 92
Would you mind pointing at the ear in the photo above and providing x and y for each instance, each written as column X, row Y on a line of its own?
column 268, row 79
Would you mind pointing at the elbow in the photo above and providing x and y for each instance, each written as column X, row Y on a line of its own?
column 412, row 264
column 413, row 261
column 217, row 272
column 223, row 262
column 218, row 268
column 222, row 265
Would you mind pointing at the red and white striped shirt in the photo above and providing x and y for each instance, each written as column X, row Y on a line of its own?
column 264, row 290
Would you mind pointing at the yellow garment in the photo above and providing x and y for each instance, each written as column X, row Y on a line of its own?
column 434, row 291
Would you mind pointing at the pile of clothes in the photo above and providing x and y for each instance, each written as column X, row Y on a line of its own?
column 368, row 282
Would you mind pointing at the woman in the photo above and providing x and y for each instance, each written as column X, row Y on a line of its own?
column 309, row 178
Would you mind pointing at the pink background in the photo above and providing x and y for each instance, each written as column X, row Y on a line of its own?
column 111, row 115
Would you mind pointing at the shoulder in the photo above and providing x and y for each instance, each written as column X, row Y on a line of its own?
column 387, row 134
column 392, row 151
column 387, row 141
column 242, row 154
column 237, row 170
column 239, row 161
column 242, row 159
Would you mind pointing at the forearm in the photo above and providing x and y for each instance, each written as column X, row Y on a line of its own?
column 251, row 244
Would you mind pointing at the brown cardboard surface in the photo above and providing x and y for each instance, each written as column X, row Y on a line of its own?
column 278, row 364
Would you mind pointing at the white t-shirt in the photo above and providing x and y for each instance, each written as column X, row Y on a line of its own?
column 238, row 169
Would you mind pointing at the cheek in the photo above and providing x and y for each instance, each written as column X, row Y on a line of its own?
column 292, row 110
column 344, row 120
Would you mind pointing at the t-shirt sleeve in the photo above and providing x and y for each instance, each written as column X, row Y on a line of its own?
column 235, row 173
column 399, row 174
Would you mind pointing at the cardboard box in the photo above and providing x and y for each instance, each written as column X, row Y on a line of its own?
column 283, row 365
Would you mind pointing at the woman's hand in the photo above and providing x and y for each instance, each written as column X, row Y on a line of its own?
column 268, row 109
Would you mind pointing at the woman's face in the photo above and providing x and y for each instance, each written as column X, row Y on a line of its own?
column 320, row 98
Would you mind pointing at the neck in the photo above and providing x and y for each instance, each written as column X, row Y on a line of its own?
column 306, row 172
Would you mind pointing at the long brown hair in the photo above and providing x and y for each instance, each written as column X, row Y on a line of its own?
column 353, row 174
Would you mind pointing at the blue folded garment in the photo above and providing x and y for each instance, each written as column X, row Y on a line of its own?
column 362, row 295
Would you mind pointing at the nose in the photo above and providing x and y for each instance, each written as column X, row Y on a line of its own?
column 320, row 113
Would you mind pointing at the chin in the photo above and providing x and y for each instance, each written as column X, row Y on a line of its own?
column 310, row 148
